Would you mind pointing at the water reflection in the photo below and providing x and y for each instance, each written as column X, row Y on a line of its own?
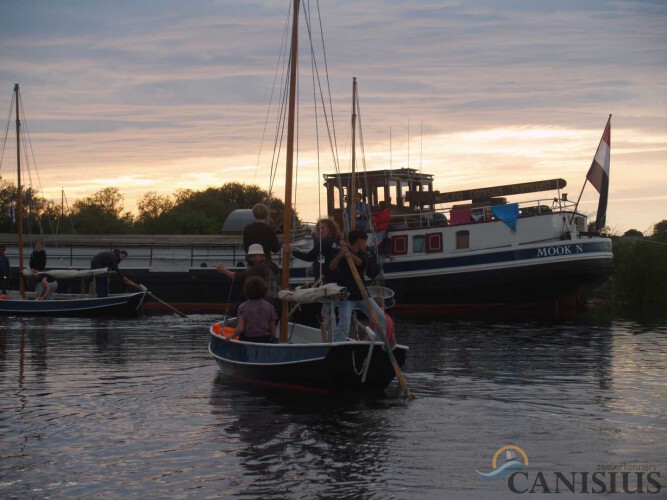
column 336, row 442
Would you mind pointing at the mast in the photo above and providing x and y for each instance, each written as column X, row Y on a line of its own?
column 289, row 166
column 353, row 180
column 19, row 203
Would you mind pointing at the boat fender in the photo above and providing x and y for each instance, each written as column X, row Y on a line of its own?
column 228, row 332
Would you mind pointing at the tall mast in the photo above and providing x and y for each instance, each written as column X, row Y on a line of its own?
column 353, row 180
column 19, row 191
column 287, row 216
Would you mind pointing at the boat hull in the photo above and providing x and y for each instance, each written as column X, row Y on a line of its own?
column 513, row 276
column 126, row 305
column 319, row 368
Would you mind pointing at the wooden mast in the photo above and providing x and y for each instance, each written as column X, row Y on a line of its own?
column 287, row 216
column 351, row 196
column 19, row 192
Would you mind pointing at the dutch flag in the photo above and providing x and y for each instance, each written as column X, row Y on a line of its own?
column 598, row 175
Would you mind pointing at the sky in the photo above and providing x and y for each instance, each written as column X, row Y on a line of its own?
column 155, row 96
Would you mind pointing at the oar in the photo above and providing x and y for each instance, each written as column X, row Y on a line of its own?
column 141, row 287
column 376, row 321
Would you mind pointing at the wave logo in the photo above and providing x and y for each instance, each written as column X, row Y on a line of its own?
column 512, row 463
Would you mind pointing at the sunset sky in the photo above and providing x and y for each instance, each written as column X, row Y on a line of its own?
column 161, row 95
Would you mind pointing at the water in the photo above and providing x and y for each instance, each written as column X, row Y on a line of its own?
column 137, row 408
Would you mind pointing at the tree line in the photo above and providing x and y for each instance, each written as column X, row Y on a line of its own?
column 186, row 212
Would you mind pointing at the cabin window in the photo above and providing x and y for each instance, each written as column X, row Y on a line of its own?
column 399, row 244
column 462, row 239
column 419, row 244
column 433, row 242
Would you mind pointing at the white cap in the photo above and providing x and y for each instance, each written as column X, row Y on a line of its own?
column 256, row 249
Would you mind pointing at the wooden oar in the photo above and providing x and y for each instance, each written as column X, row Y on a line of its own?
column 376, row 321
column 141, row 287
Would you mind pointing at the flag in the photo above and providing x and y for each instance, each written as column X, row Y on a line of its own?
column 598, row 175
column 507, row 213
column 12, row 216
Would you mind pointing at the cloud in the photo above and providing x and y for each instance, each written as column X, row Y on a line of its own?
column 177, row 94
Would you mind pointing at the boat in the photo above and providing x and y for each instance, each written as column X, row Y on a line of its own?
column 21, row 302
column 302, row 361
column 478, row 248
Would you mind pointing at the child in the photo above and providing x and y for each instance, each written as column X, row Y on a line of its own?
column 256, row 317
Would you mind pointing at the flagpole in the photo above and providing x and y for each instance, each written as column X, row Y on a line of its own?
column 604, row 131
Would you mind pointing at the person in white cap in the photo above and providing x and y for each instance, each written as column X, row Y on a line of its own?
column 258, row 265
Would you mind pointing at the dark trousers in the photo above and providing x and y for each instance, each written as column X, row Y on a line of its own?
column 102, row 285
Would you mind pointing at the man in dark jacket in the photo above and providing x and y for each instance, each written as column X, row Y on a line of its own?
column 4, row 270
column 110, row 260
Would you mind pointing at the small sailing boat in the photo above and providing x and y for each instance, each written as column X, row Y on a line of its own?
column 302, row 361
column 21, row 302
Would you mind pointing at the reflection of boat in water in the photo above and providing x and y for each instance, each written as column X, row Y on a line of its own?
column 481, row 248
column 21, row 302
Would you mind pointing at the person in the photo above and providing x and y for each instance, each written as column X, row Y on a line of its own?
column 38, row 257
column 258, row 265
column 361, row 213
column 356, row 250
column 327, row 246
column 256, row 317
column 110, row 260
column 261, row 232
column 46, row 286
column 4, row 270
column 380, row 220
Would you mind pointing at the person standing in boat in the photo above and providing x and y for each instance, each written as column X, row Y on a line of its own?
column 326, row 247
column 4, row 270
column 260, row 266
column 356, row 250
column 110, row 260
column 38, row 257
column 256, row 317
column 46, row 286
column 380, row 220
column 261, row 232
column 361, row 213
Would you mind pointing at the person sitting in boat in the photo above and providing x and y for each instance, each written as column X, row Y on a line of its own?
column 380, row 220
column 327, row 246
column 110, row 260
column 260, row 266
column 4, row 270
column 356, row 250
column 261, row 232
column 256, row 317
column 46, row 286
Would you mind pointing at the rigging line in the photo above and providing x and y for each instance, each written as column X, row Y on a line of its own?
column 361, row 146
column 268, row 111
column 326, row 70
column 280, row 124
column 9, row 118
column 280, row 116
column 313, row 65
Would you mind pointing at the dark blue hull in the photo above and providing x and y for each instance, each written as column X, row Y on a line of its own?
column 321, row 368
column 128, row 305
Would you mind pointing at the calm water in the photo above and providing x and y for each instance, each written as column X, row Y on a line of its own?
column 137, row 409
